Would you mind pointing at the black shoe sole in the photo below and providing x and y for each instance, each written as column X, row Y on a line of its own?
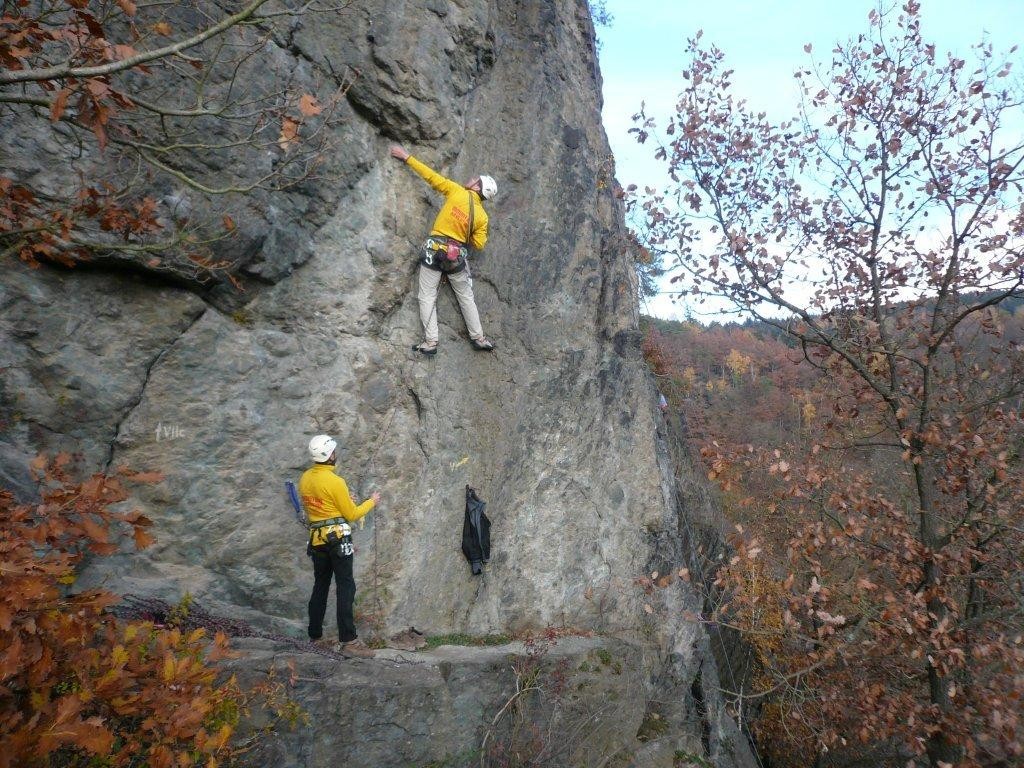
column 430, row 352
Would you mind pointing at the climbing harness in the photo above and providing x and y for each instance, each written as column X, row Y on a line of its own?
column 341, row 522
column 446, row 254
column 342, row 536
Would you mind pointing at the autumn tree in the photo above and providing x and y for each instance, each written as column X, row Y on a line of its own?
column 133, row 131
column 881, row 229
column 77, row 686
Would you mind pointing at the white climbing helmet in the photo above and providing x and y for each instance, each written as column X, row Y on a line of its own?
column 321, row 447
column 488, row 187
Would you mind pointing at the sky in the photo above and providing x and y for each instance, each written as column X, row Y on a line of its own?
column 643, row 53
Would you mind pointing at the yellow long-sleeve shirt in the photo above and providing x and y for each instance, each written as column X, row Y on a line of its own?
column 453, row 218
column 325, row 495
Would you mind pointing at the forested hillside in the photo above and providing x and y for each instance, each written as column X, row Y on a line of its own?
column 816, row 493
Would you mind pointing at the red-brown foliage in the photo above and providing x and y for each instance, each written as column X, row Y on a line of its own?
column 139, row 97
column 880, row 233
column 74, row 681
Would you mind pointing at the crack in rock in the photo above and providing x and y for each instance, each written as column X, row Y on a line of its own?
column 142, row 387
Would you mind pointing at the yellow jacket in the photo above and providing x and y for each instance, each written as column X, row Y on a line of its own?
column 453, row 218
column 325, row 495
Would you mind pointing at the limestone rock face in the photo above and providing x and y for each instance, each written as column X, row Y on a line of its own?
column 556, row 430
column 77, row 353
column 440, row 707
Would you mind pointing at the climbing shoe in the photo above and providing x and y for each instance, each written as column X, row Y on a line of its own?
column 357, row 649
column 482, row 344
column 425, row 349
column 325, row 644
column 410, row 640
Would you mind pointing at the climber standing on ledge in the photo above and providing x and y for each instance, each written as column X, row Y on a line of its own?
column 329, row 510
column 462, row 221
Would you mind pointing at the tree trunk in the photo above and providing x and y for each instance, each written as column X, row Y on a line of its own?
column 939, row 747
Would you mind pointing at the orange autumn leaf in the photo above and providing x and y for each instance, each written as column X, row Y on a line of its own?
column 37, row 465
column 145, row 477
column 309, row 106
column 88, row 734
column 142, row 539
column 60, row 103
column 94, row 530
column 289, row 133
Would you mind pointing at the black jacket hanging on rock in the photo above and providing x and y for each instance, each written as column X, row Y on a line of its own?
column 476, row 532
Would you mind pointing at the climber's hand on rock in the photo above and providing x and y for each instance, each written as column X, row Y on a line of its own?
column 376, row 497
column 401, row 154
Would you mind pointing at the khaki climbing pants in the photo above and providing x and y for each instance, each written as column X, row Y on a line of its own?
column 462, row 284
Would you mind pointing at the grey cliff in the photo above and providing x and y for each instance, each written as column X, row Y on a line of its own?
column 220, row 391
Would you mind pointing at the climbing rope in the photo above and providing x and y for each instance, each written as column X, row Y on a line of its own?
column 194, row 616
column 377, row 520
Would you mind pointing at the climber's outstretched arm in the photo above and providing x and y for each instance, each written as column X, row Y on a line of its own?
column 433, row 178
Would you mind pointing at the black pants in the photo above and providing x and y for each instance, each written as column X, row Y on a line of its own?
column 327, row 560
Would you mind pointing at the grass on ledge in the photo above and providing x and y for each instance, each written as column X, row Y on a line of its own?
column 461, row 638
